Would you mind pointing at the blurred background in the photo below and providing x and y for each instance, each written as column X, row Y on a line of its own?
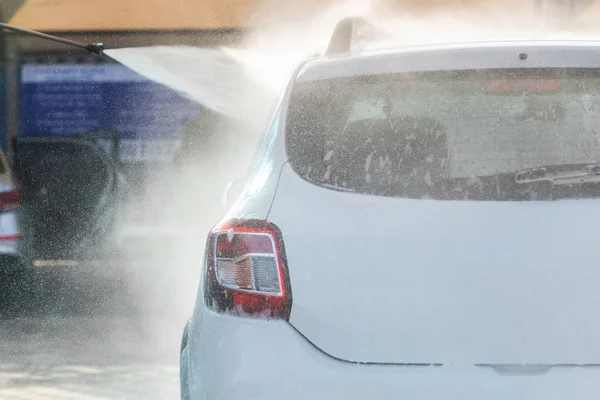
column 121, row 164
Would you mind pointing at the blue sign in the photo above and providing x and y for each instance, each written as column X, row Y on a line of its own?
column 65, row 99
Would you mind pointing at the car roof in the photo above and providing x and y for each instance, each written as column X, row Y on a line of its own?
column 390, row 47
column 484, row 54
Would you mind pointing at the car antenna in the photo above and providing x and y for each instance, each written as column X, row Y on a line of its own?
column 95, row 48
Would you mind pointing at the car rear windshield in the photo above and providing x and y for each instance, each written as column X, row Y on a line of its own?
column 517, row 134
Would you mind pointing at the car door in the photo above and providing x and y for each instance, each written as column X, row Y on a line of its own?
column 71, row 189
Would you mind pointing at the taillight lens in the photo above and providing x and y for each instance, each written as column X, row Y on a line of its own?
column 9, row 200
column 246, row 270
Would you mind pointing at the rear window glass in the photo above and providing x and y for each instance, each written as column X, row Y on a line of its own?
column 458, row 135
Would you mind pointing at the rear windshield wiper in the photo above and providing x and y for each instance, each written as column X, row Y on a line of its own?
column 560, row 174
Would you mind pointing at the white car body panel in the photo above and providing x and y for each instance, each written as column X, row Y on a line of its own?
column 245, row 359
column 426, row 299
column 390, row 280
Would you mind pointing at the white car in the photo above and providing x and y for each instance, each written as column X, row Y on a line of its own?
column 10, row 234
column 420, row 223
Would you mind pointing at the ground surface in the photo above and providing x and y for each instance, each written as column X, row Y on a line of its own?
column 82, row 336
column 62, row 357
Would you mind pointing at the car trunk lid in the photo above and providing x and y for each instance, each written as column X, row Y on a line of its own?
column 392, row 280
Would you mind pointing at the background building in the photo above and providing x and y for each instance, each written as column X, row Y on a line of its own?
column 55, row 90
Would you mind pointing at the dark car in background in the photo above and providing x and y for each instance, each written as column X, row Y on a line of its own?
column 72, row 188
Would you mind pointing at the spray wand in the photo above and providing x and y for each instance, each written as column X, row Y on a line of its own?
column 95, row 48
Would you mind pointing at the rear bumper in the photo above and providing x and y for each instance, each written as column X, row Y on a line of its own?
column 235, row 358
column 9, row 246
column 10, row 236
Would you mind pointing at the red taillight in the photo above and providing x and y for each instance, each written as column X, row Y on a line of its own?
column 246, row 270
column 9, row 200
